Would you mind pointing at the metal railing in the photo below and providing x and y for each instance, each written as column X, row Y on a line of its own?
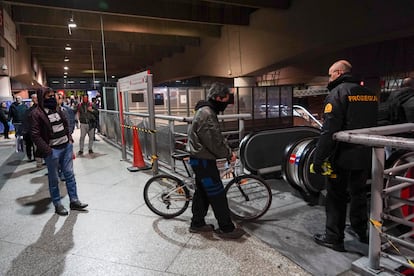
column 170, row 132
column 378, row 138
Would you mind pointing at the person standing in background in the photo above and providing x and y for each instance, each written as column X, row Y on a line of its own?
column 3, row 119
column 87, row 124
column 17, row 112
column 30, row 148
column 347, row 106
column 67, row 111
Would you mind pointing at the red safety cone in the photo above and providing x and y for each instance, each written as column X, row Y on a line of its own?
column 138, row 162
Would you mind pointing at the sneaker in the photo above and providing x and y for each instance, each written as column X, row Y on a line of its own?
column 201, row 229
column 61, row 210
column 77, row 205
column 90, row 151
column 235, row 234
column 323, row 240
column 80, row 152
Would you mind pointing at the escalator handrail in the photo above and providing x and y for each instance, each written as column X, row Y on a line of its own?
column 309, row 114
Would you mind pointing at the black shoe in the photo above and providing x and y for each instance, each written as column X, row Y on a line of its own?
column 235, row 234
column 61, row 210
column 77, row 205
column 80, row 152
column 362, row 237
column 90, row 151
column 201, row 229
column 321, row 239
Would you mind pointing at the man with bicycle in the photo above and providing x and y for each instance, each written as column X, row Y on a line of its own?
column 205, row 144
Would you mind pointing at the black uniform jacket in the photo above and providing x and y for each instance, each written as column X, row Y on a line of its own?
column 348, row 106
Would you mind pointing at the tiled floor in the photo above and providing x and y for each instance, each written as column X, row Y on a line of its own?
column 118, row 235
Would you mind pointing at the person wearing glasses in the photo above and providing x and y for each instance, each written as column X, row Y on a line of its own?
column 50, row 133
column 347, row 106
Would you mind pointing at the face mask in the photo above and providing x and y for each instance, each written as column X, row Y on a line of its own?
column 50, row 103
column 220, row 106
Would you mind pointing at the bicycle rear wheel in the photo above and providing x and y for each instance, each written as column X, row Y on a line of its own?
column 166, row 195
column 249, row 197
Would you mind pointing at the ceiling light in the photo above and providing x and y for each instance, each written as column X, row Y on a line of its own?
column 71, row 23
column 66, row 59
column 65, row 73
column 68, row 48
column 66, row 68
column 65, row 77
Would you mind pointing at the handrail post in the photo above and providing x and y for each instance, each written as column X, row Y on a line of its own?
column 376, row 207
column 152, row 124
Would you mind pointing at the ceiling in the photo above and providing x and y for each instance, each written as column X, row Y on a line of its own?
column 122, row 37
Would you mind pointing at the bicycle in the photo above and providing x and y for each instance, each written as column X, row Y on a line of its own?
column 249, row 197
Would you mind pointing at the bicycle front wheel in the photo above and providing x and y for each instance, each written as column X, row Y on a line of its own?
column 249, row 197
column 166, row 195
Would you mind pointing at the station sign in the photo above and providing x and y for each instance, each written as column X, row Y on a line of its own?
column 134, row 82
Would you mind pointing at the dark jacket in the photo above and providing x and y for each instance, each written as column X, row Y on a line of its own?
column 41, row 129
column 205, row 140
column 26, row 121
column 348, row 106
column 17, row 112
column 3, row 115
column 86, row 116
column 401, row 106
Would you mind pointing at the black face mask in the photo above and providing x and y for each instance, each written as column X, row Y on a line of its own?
column 50, row 103
column 218, row 106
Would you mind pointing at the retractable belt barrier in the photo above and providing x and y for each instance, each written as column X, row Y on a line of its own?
column 151, row 131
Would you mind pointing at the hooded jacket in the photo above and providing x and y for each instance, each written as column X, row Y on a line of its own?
column 205, row 140
column 41, row 129
column 348, row 106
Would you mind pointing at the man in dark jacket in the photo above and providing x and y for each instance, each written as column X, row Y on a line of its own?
column 17, row 112
column 51, row 135
column 206, row 144
column 30, row 149
column 348, row 106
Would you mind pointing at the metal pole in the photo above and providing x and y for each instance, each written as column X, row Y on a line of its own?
column 376, row 207
column 151, row 111
column 121, row 123
column 103, row 50
column 93, row 68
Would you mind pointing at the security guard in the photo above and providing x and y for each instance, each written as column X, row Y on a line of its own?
column 348, row 106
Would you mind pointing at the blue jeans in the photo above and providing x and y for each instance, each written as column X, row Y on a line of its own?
column 61, row 158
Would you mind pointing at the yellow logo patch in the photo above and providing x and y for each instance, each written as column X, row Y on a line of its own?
column 328, row 108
